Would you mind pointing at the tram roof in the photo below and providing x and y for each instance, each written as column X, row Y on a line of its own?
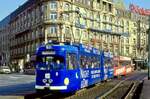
column 73, row 47
column 57, row 47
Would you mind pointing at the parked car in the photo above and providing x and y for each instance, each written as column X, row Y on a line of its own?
column 5, row 69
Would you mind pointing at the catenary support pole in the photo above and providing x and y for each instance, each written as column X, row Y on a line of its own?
column 149, row 50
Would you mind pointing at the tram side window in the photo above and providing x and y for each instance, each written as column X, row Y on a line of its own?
column 86, row 62
column 89, row 61
column 95, row 62
column 108, row 62
column 82, row 61
column 71, row 61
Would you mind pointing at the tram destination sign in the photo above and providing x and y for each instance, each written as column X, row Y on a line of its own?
column 48, row 52
column 139, row 10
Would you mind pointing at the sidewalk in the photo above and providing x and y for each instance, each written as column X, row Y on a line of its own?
column 11, row 97
column 145, row 94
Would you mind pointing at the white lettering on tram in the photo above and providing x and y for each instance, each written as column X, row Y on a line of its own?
column 95, row 73
column 84, row 73
column 120, row 70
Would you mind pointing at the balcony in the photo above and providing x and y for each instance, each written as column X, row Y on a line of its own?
column 57, row 21
column 80, row 25
column 125, row 34
column 108, row 22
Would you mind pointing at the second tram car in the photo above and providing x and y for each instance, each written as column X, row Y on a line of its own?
column 123, row 65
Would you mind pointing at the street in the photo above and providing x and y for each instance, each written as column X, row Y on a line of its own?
column 22, row 85
column 16, row 84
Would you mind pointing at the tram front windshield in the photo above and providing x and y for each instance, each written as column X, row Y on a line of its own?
column 50, row 62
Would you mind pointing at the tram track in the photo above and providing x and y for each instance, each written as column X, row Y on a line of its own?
column 130, row 91
column 125, row 89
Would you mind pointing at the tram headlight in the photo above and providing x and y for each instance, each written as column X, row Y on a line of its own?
column 56, row 73
column 44, row 80
column 66, row 81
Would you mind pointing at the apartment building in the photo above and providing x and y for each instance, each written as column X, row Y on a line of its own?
column 4, row 41
column 134, row 37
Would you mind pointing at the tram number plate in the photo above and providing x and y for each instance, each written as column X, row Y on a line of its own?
column 47, row 75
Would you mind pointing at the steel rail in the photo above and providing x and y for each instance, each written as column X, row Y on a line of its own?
column 131, row 90
column 112, row 90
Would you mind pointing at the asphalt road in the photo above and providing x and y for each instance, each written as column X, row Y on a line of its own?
column 16, row 84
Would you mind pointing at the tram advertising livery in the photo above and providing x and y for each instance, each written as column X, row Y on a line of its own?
column 68, row 68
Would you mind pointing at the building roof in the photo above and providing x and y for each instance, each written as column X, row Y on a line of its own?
column 22, row 8
column 5, row 21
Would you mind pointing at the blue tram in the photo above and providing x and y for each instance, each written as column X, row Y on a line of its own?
column 68, row 68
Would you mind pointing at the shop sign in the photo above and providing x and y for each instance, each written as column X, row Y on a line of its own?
column 137, row 9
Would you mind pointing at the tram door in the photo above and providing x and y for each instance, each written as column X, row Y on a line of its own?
column 84, row 69
column 106, row 68
column 72, row 70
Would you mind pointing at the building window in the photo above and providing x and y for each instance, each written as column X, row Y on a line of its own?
column 98, row 18
column 67, row 30
column 42, row 10
column 26, row 49
column 52, row 29
column 53, row 16
column 105, row 27
column 37, row 33
column 104, row 18
column 104, row 6
column 37, row 45
column 66, row 16
column 110, row 8
column 32, row 35
column 53, row 5
column 127, row 40
column 110, row 19
column 67, row 6
column 134, row 41
column 77, row 32
column 77, row 9
column 32, row 47
column 127, row 50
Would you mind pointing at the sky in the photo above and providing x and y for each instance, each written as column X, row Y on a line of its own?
column 8, row 6
column 141, row 3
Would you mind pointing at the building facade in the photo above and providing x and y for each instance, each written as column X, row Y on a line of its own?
column 4, row 41
column 91, row 22
column 134, row 38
